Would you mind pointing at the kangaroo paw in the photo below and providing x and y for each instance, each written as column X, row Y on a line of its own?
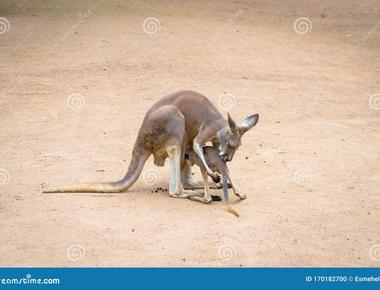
column 200, row 198
column 215, row 177
column 219, row 185
column 241, row 195
column 183, row 194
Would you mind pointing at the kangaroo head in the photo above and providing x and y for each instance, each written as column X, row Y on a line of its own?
column 230, row 137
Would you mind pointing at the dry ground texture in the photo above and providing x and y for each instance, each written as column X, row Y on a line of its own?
column 77, row 78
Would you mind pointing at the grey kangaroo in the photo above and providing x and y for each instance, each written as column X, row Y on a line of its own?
column 170, row 125
column 218, row 165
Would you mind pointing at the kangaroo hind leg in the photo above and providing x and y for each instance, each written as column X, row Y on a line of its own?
column 206, row 198
column 187, row 178
column 175, row 185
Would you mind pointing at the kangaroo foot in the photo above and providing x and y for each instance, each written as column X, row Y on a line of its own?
column 201, row 198
column 182, row 194
column 241, row 195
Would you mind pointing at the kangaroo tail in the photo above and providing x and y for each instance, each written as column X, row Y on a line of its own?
column 139, row 157
column 233, row 211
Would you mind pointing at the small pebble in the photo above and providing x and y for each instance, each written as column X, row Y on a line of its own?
column 246, row 157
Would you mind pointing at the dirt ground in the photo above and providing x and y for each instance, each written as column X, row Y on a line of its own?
column 77, row 78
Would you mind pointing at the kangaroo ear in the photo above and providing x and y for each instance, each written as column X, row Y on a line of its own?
column 232, row 124
column 248, row 123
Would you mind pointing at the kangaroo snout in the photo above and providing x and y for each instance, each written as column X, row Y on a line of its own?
column 224, row 157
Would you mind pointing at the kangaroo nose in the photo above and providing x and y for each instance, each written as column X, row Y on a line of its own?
column 224, row 157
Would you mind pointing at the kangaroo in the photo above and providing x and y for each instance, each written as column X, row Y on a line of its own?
column 169, row 126
column 218, row 165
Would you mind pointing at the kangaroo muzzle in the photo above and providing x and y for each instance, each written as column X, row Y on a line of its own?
column 224, row 157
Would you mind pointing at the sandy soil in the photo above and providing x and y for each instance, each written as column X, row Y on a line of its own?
column 310, row 168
